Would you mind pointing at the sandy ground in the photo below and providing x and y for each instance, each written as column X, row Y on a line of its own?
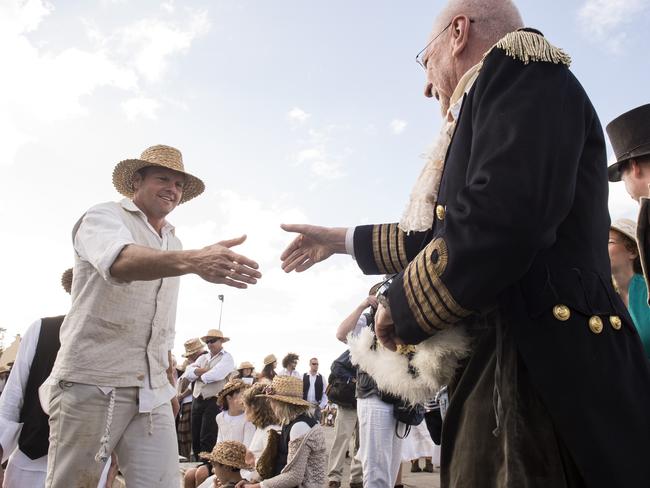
column 410, row 480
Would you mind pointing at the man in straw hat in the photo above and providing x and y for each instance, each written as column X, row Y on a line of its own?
column 502, row 267
column 629, row 134
column 193, row 349
column 115, row 361
column 209, row 373
column 24, row 429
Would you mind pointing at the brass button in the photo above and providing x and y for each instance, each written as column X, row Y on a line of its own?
column 615, row 320
column 440, row 212
column 561, row 312
column 596, row 324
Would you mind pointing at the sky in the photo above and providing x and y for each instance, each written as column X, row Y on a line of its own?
column 290, row 111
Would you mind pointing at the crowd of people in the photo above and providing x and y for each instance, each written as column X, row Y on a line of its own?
column 510, row 308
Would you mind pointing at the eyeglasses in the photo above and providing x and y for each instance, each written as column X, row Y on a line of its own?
column 314, row 364
column 212, row 340
column 419, row 58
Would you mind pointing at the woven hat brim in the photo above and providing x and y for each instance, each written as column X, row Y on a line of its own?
column 288, row 399
column 192, row 351
column 217, row 459
column 125, row 169
column 223, row 339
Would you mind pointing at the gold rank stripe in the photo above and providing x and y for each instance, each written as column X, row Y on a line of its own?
column 427, row 296
column 413, row 303
column 388, row 248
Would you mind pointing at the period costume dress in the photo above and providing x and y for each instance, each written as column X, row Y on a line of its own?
column 516, row 260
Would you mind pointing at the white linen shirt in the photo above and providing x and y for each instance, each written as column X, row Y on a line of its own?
column 286, row 372
column 218, row 373
column 99, row 237
column 311, row 393
column 11, row 402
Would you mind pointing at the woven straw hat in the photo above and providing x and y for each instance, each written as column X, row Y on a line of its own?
column 230, row 387
column 163, row 156
column 287, row 389
column 66, row 280
column 627, row 227
column 215, row 334
column 192, row 346
column 270, row 359
column 246, row 365
column 228, row 453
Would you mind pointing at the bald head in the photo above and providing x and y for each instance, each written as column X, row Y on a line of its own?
column 462, row 33
column 493, row 19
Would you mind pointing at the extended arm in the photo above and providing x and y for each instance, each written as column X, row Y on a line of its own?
column 350, row 322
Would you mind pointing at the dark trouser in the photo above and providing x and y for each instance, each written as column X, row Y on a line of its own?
column 525, row 451
column 204, row 425
column 434, row 424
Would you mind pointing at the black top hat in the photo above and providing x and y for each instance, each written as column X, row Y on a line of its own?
column 630, row 137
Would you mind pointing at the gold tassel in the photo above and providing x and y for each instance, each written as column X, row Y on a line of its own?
column 529, row 46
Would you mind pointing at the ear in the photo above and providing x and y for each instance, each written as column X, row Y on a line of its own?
column 460, row 26
column 136, row 180
column 636, row 168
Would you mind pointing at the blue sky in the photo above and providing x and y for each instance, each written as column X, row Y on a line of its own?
column 289, row 111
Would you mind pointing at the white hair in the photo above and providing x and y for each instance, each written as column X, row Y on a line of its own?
column 493, row 19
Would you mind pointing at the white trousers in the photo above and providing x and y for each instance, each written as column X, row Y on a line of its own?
column 145, row 443
column 380, row 450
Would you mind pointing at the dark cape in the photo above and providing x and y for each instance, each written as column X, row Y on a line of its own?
column 557, row 390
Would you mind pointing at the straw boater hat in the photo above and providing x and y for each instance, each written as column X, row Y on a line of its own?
column 245, row 365
column 228, row 453
column 192, row 346
column 630, row 137
column 66, row 280
column 270, row 359
column 231, row 387
column 627, row 227
column 163, row 156
column 215, row 334
column 287, row 389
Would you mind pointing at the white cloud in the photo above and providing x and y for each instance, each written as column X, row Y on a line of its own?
column 151, row 42
column 398, row 126
column 604, row 19
column 298, row 115
column 42, row 85
column 141, row 107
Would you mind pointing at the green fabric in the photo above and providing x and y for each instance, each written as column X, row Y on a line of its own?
column 639, row 309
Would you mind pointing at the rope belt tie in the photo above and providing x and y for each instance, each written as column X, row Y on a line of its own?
column 103, row 454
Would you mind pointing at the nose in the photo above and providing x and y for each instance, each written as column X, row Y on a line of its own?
column 428, row 90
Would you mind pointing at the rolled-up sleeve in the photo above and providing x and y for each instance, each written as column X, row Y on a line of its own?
column 99, row 238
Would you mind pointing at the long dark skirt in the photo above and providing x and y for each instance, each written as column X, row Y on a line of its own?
column 523, row 450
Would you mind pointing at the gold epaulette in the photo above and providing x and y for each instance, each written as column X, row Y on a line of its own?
column 529, row 46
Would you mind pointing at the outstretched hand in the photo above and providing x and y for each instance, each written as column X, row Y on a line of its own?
column 219, row 264
column 313, row 245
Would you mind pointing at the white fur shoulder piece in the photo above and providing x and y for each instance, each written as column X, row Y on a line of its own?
column 435, row 361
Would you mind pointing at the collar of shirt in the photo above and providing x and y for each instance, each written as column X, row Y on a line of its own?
column 128, row 205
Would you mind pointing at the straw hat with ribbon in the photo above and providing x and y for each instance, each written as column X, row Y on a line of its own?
column 228, row 453
column 215, row 334
column 287, row 389
column 230, row 387
column 270, row 359
column 192, row 346
column 245, row 365
column 162, row 156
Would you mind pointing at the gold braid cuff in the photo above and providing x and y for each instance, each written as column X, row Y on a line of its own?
column 430, row 301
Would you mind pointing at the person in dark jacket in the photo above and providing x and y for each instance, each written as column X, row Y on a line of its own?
column 514, row 258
